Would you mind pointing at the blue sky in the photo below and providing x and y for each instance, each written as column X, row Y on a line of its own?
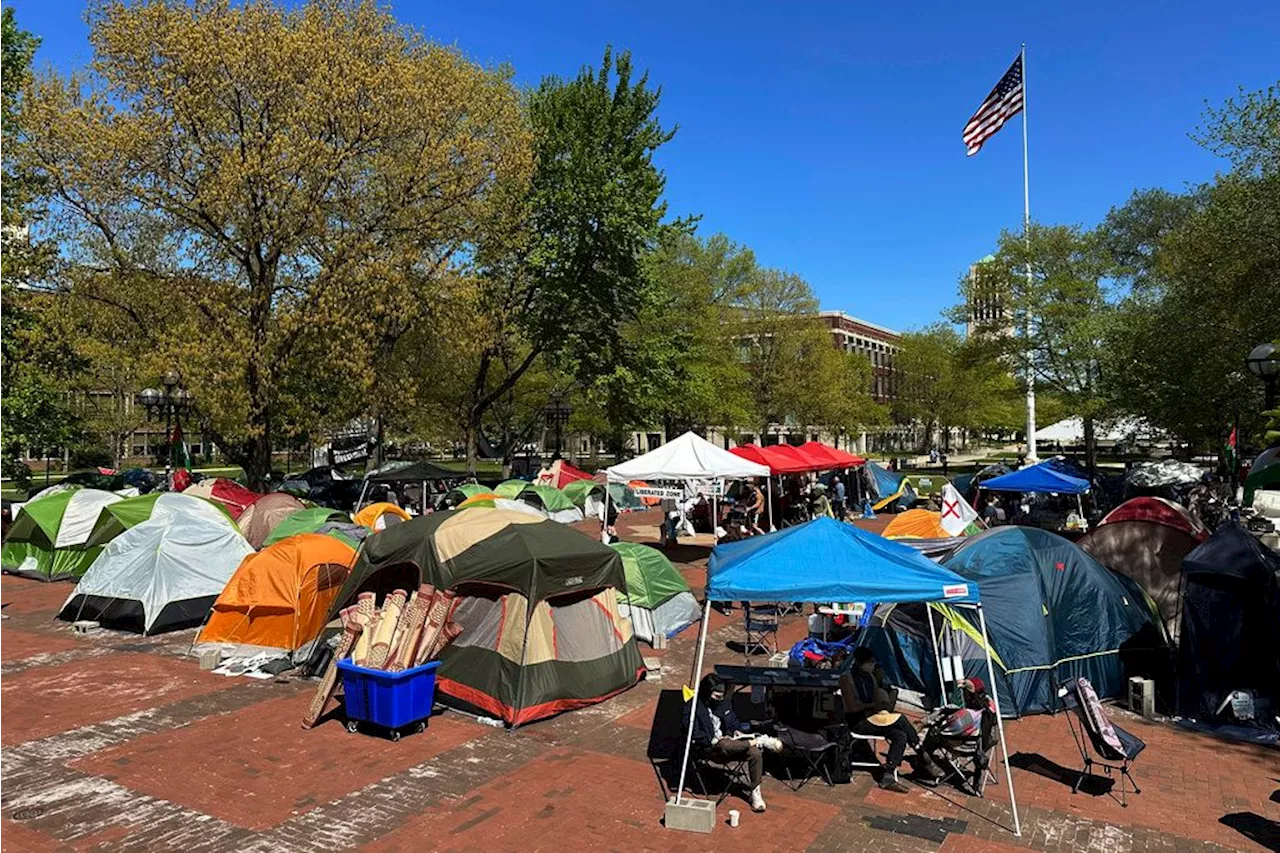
column 826, row 136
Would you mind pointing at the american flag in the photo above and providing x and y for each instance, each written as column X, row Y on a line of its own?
column 1004, row 102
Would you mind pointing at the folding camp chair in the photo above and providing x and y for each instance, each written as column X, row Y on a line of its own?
column 962, row 745
column 732, row 770
column 811, row 750
column 762, row 629
column 1109, row 742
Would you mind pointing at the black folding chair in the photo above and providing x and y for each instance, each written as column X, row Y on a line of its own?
column 761, row 623
column 812, row 751
column 1116, row 748
column 730, row 770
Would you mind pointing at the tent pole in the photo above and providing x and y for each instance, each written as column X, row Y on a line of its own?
column 995, row 695
column 715, row 515
column 937, row 656
column 363, row 489
column 604, row 520
column 768, row 484
column 693, row 703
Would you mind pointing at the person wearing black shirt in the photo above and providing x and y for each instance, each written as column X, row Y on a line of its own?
column 868, row 704
column 718, row 734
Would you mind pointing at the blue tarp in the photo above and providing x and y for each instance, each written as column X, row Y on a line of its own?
column 828, row 560
column 1038, row 478
column 885, row 484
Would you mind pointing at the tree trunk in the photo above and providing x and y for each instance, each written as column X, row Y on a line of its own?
column 473, row 441
column 1090, row 448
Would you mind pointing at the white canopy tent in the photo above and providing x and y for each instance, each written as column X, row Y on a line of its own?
column 689, row 457
column 1071, row 431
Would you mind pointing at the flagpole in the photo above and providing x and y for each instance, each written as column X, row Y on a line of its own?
column 1026, row 231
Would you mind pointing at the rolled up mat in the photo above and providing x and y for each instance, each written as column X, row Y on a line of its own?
column 386, row 630
column 367, row 608
column 351, row 631
column 402, row 652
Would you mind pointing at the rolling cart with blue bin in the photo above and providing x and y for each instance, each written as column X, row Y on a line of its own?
column 390, row 700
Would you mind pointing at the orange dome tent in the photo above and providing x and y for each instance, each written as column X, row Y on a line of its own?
column 279, row 597
column 916, row 524
column 372, row 515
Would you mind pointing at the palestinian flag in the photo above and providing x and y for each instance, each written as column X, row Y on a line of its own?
column 181, row 455
column 1229, row 451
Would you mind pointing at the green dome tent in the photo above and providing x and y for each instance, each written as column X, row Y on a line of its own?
column 311, row 520
column 511, row 488
column 657, row 600
column 458, row 494
column 587, row 495
column 120, row 516
column 49, row 539
column 554, row 502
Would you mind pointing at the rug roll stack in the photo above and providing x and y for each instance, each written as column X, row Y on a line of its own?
column 407, row 631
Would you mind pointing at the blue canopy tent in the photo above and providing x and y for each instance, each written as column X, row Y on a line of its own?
column 1037, row 478
column 828, row 560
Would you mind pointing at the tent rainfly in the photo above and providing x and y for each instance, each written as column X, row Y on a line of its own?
column 421, row 472
column 160, row 575
column 310, row 520
column 262, row 516
column 49, row 539
column 827, row 560
column 658, row 600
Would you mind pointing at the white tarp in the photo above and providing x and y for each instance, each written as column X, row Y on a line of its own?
column 689, row 457
column 169, row 558
column 81, row 515
column 171, row 504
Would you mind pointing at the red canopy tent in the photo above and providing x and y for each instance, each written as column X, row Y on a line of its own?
column 752, row 453
column 830, row 457
column 785, row 459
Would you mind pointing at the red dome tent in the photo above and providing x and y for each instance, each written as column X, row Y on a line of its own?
column 1158, row 511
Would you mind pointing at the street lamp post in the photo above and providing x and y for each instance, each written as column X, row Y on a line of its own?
column 174, row 401
column 1264, row 363
column 557, row 414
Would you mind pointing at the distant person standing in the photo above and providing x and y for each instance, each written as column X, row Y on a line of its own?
column 839, row 492
column 944, row 464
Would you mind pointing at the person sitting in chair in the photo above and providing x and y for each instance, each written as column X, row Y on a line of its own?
column 868, row 705
column 969, row 712
column 721, row 736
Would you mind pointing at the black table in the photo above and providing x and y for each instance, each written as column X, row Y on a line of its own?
column 786, row 677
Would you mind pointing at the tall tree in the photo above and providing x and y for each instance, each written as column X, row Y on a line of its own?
column 563, row 267
column 288, row 178
column 1064, row 309
column 36, row 359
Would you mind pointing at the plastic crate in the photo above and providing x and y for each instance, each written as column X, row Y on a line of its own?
column 388, row 699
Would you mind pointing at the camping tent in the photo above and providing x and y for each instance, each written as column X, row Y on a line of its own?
column 380, row 515
column 490, row 500
column 161, row 574
column 49, row 538
column 889, row 491
column 826, row 560
column 920, row 524
column 420, row 473
column 1042, row 478
column 118, row 517
column 233, row 496
column 538, row 606
column 588, row 496
column 560, row 474
column 555, row 503
column 1056, row 614
column 624, row 499
column 509, row 488
column 310, row 520
column 658, row 600
column 1159, row 511
column 967, row 484
column 1230, row 627
column 262, row 516
column 1146, row 540
column 689, row 457
column 461, row 492
column 1264, row 474
column 1162, row 474
column 279, row 597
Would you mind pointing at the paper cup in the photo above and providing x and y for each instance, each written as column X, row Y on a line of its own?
column 734, row 814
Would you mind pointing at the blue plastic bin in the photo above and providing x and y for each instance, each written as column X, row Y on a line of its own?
column 388, row 699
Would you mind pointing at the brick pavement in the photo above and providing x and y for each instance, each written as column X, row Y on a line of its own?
column 116, row 742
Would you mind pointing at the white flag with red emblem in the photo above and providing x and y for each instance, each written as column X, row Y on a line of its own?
column 956, row 512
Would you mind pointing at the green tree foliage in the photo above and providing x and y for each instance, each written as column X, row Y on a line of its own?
column 562, row 266
column 1063, row 310
column 34, row 358
column 282, row 183
column 947, row 382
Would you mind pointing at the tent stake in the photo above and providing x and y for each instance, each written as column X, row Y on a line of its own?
column 693, row 703
column 995, row 695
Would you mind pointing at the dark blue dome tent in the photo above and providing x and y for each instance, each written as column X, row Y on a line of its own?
column 826, row 560
column 1055, row 614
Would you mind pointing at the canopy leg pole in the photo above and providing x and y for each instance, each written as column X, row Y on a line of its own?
column 937, row 656
column 715, row 515
column 693, row 704
column 604, row 521
column 768, row 484
column 422, row 504
column 360, row 500
column 995, row 696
